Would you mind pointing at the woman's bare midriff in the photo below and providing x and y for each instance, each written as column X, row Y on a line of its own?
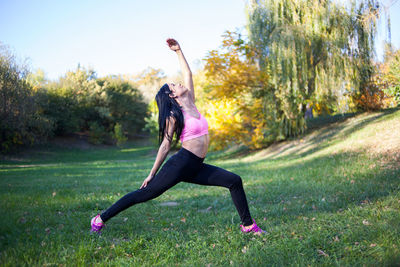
column 198, row 145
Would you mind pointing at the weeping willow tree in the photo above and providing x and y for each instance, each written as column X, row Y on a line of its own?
column 311, row 50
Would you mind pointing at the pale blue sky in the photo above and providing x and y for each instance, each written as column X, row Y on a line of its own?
column 122, row 37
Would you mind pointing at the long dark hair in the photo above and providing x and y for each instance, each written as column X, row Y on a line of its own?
column 168, row 107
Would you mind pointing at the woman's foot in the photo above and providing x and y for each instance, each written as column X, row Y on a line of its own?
column 252, row 228
column 97, row 224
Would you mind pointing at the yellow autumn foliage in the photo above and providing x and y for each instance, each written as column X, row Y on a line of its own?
column 225, row 123
column 228, row 83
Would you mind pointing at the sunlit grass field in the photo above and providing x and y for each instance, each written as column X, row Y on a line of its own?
column 329, row 198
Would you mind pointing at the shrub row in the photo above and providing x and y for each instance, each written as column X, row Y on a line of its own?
column 107, row 109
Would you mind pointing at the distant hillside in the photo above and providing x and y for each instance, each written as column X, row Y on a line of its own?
column 376, row 133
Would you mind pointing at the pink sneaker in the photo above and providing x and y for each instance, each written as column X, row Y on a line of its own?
column 254, row 228
column 96, row 227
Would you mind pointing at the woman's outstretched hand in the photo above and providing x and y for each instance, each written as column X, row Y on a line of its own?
column 173, row 44
column 146, row 181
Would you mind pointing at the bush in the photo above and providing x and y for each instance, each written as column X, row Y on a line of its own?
column 151, row 125
column 58, row 105
column 97, row 133
column 119, row 135
column 390, row 75
column 119, row 102
column 33, row 109
column 370, row 98
column 394, row 92
column 21, row 121
column 81, row 102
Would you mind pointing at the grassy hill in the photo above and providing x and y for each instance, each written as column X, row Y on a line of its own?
column 329, row 198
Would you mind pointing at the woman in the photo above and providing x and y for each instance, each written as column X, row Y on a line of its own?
column 178, row 115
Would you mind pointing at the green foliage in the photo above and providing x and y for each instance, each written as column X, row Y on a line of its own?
column 152, row 121
column 33, row 109
column 97, row 133
column 118, row 102
column 394, row 91
column 309, row 49
column 390, row 72
column 60, row 106
column 119, row 135
column 21, row 121
column 81, row 102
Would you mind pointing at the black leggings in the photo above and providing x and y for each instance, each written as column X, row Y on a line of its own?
column 185, row 166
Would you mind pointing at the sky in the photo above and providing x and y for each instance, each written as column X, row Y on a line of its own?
column 125, row 36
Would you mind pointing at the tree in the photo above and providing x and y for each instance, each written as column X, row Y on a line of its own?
column 105, row 108
column 20, row 120
column 390, row 74
column 119, row 102
column 69, row 101
column 310, row 49
column 148, row 82
column 233, row 82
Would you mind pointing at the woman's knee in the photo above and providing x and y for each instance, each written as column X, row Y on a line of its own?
column 236, row 180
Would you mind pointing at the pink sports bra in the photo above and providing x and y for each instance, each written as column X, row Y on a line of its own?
column 194, row 127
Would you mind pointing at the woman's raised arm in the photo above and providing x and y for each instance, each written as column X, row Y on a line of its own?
column 187, row 73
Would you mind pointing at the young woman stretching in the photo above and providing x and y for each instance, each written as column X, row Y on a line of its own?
column 179, row 115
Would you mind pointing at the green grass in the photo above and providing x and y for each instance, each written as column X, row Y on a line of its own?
column 330, row 198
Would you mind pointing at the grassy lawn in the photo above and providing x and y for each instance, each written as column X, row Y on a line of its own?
column 329, row 198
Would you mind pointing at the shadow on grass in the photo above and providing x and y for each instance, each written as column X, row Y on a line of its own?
column 275, row 192
column 320, row 139
column 318, row 122
column 329, row 133
column 312, row 179
column 318, row 189
column 327, row 129
column 55, row 155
